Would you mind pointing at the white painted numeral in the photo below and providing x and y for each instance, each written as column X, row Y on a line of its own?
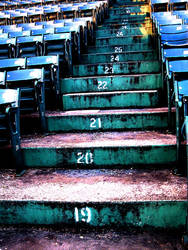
column 85, row 158
column 118, row 49
column 119, row 34
column 83, row 215
column 114, row 58
column 124, row 27
column 102, row 85
column 109, row 70
column 95, row 123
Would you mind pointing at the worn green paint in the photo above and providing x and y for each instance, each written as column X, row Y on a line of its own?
column 124, row 16
column 111, row 83
column 102, row 156
column 116, row 100
column 129, row 9
column 133, row 67
column 119, row 57
column 114, row 32
column 134, row 19
column 123, row 40
column 169, row 215
column 121, row 26
column 130, row 2
column 124, row 48
column 110, row 121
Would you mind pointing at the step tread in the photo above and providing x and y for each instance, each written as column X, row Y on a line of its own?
column 105, row 112
column 113, row 63
column 107, row 139
column 109, row 76
column 93, row 185
column 112, row 92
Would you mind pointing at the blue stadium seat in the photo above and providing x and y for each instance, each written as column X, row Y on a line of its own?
column 12, row 64
column 7, row 48
column 29, row 46
column 10, row 124
column 60, row 44
column 32, row 90
column 51, row 77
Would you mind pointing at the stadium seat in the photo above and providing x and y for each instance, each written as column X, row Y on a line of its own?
column 32, row 90
column 51, row 77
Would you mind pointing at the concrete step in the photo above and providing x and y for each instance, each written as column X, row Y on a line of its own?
column 120, row 48
column 128, row 25
column 107, row 120
column 95, row 239
column 129, row 9
column 111, row 100
column 132, row 19
column 132, row 67
column 128, row 16
column 123, row 31
column 130, row 2
column 123, row 40
column 118, row 57
column 95, row 199
column 100, row 150
column 111, row 83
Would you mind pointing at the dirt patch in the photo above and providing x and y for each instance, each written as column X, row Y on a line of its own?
column 92, row 185
column 35, row 239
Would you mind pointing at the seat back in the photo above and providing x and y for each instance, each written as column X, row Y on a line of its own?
column 32, row 92
column 29, row 46
column 51, row 67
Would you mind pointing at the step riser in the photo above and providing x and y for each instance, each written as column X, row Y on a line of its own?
column 99, row 157
column 145, row 82
column 125, row 100
column 107, row 122
column 120, row 48
column 123, row 31
column 156, row 214
column 123, row 40
column 102, row 58
column 117, row 68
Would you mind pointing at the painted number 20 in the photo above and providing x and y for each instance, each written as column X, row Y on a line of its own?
column 84, row 158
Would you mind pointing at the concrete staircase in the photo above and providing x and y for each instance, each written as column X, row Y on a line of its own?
column 114, row 116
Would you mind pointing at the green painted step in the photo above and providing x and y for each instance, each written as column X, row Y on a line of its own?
column 132, row 19
column 119, row 57
column 120, row 48
column 130, row 2
column 103, row 120
column 99, row 150
column 156, row 214
column 111, row 83
column 123, row 40
column 126, row 16
column 115, row 99
column 123, row 31
column 129, row 9
column 128, row 25
column 134, row 67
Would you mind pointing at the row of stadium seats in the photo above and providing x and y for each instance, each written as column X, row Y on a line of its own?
column 172, row 42
column 98, row 10
column 34, row 56
column 168, row 5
